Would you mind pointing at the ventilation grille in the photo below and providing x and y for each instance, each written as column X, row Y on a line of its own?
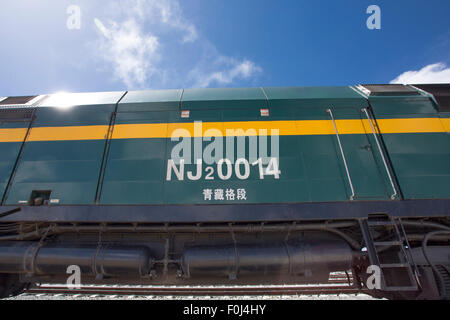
column 441, row 93
column 17, row 100
column 15, row 115
column 388, row 90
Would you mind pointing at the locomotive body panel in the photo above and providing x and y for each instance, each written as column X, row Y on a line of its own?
column 227, row 186
column 420, row 149
column 317, row 144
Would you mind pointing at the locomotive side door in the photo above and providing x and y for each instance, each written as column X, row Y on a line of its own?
column 136, row 158
column 364, row 165
column 135, row 164
column 14, row 126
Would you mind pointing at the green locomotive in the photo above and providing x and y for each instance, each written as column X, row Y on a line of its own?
column 229, row 186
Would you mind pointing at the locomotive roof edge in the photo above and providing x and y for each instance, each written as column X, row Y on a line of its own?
column 439, row 93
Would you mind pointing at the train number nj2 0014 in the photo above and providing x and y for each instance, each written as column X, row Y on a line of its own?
column 224, row 169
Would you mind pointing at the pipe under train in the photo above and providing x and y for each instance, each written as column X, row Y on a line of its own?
column 297, row 257
column 300, row 257
column 53, row 259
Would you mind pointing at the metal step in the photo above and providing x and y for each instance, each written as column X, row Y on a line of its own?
column 405, row 288
column 394, row 265
column 388, row 243
column 367, row 227
column 380, row 223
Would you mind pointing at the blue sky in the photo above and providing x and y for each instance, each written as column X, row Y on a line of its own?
column 152, row 44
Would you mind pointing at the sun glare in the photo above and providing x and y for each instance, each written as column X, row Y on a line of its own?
column 62, row 100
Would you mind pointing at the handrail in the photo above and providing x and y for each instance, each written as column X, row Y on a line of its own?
column 394, row 195
column 343, row 155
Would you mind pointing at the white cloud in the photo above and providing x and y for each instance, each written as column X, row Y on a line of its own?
column 167, row 12
column 433, row 73
column 132, row 53
column 102, row 28
column 150, row 44
column 236, row 70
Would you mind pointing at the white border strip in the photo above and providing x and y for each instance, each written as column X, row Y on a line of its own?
column 424, row 93
column 32, row 103
column 359, row 92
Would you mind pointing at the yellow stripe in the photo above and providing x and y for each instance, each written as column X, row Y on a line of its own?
column 283, row 128
column 252, row 128
column 12, row 135
column 138, row 131
column 446, row 124
column 247, row 128
column 68, row 133
column 419, row 125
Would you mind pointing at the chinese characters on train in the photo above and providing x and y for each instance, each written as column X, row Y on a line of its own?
column 224, row 194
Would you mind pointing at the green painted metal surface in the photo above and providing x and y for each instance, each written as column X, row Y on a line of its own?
column 241, row 98
column 311, row 102
column 69, row 169
column 9, row 152
column 151, row 100
column 420, row 160
column 403, row 107
column 136, row 167
column 311, row 167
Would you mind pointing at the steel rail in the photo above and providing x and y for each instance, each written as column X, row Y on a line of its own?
column 198, row 291
column 338, row 283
